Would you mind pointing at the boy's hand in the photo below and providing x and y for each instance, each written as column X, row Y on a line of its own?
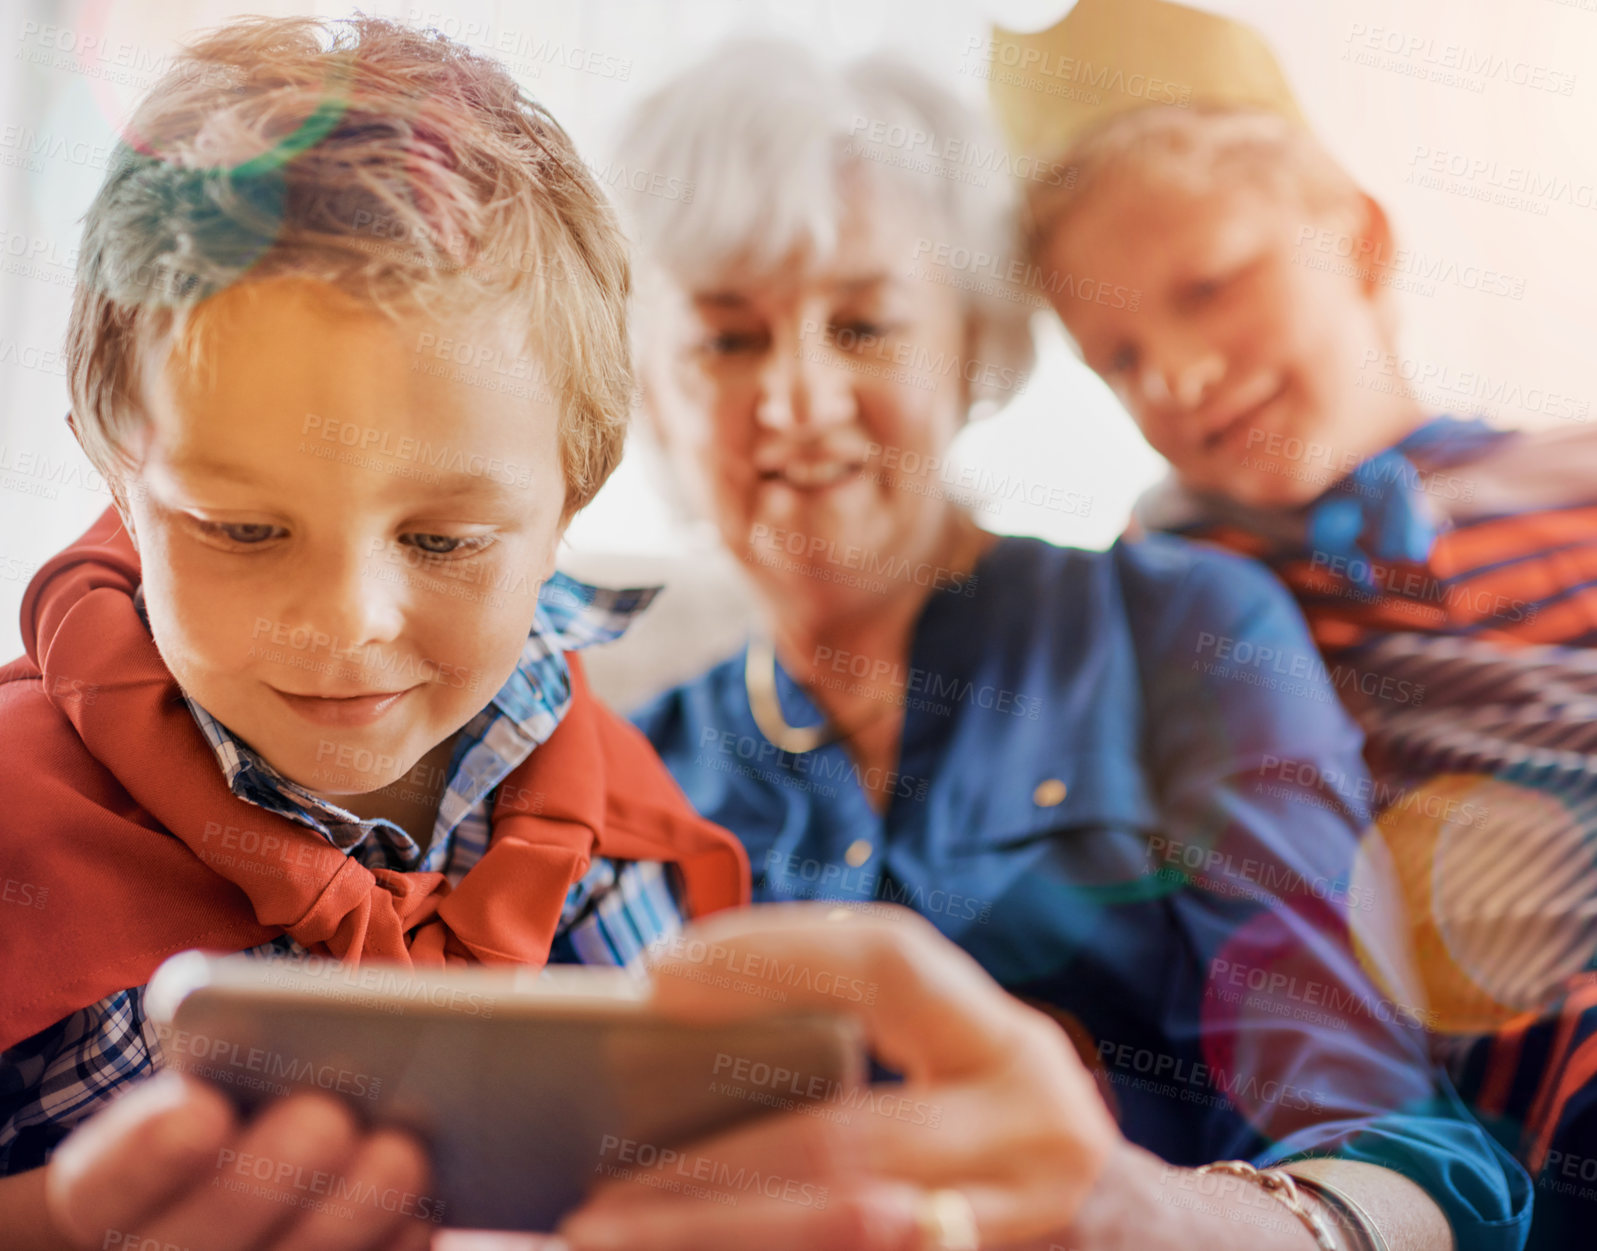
column 169, row 1165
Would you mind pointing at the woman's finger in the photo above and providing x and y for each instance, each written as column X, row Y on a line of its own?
column 1005, row 1130
column 1036, row 1112
column 786, row 1149
column 929, row 1010
column 871, row 1215
column 143, row 1150
column 884, row 1216
column 955, row 1134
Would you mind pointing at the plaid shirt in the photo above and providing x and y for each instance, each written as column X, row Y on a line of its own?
column 50, row 1082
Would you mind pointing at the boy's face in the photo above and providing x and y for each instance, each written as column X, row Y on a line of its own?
column 342, row 530
column 1238, row 358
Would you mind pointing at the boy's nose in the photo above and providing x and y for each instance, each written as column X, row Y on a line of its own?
column 355, row 599
column 1186, row 380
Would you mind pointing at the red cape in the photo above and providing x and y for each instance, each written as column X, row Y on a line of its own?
column 120, row 842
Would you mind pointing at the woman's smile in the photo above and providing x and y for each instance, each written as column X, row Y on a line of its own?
column 815, row 476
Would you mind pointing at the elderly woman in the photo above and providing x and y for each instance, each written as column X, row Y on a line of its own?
column 1116, row 779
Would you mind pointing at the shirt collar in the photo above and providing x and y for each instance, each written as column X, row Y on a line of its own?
column 1378, row 510
column 1383, row 510
column 571, row 615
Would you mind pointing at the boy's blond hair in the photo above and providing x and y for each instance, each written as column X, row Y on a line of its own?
column 390, row 162
column 1195, row 150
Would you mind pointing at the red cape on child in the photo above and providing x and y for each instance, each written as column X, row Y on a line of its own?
column 120, row 842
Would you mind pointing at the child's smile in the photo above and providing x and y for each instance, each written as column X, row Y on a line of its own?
column 344, row 613
column 1237, row 348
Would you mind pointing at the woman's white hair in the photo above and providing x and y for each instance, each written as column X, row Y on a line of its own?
column 739, row 162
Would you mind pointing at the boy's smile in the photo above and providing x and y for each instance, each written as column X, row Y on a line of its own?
column 1239, row 352
column 356, row 708
column 343, row 535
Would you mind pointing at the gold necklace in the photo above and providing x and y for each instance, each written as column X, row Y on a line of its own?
column 759, row 680
column 759, row 677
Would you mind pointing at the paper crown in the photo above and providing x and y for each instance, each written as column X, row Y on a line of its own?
column 1108, row 57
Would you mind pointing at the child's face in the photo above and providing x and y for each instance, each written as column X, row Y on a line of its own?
column 343, row 530
column 1240, row 360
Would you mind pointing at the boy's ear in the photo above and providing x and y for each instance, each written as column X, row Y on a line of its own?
column 552, row 556
column 1375, row 242
column 115, row 485
column 119, row 498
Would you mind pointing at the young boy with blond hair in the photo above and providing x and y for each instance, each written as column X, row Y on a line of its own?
column 1447, row 568
column 349, row 344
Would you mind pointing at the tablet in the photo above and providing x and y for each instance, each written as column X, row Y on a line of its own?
column 529, row 1087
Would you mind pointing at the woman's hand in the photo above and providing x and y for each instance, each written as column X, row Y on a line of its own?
column 169, row 1165
column 995, row 1103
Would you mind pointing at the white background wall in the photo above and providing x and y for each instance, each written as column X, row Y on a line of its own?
column 1360, row 68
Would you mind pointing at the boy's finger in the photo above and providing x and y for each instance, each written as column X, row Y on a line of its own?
column 263, row 1179
column 382, row 1192
column 122, row 1166
column 413, row 1236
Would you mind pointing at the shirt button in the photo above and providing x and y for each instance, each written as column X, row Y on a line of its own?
column 859, row 851
column 1049, row 793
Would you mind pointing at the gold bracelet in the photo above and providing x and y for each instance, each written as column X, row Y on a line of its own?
column 1284, row 1188
column 1348, row 1210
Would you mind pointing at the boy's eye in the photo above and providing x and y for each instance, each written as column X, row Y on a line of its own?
column 1215, row 284
column 1201, row 292
column 1122, row 360
column 247, row 534
column 444, row 544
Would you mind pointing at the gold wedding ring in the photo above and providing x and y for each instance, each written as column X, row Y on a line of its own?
column 948, row 1222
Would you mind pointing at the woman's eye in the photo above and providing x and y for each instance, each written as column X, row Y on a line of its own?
column 444, row 544
column 246, row 534
column 853, row 333
column 733, row 342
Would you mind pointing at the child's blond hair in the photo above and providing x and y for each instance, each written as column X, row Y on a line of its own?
column 390, row 162
column 1194, row 151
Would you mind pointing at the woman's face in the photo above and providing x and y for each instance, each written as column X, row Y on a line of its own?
column 809, row 414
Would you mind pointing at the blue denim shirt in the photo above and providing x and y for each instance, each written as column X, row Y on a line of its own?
column 1126, row 787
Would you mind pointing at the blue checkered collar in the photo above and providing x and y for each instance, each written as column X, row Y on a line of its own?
column 523, row 713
